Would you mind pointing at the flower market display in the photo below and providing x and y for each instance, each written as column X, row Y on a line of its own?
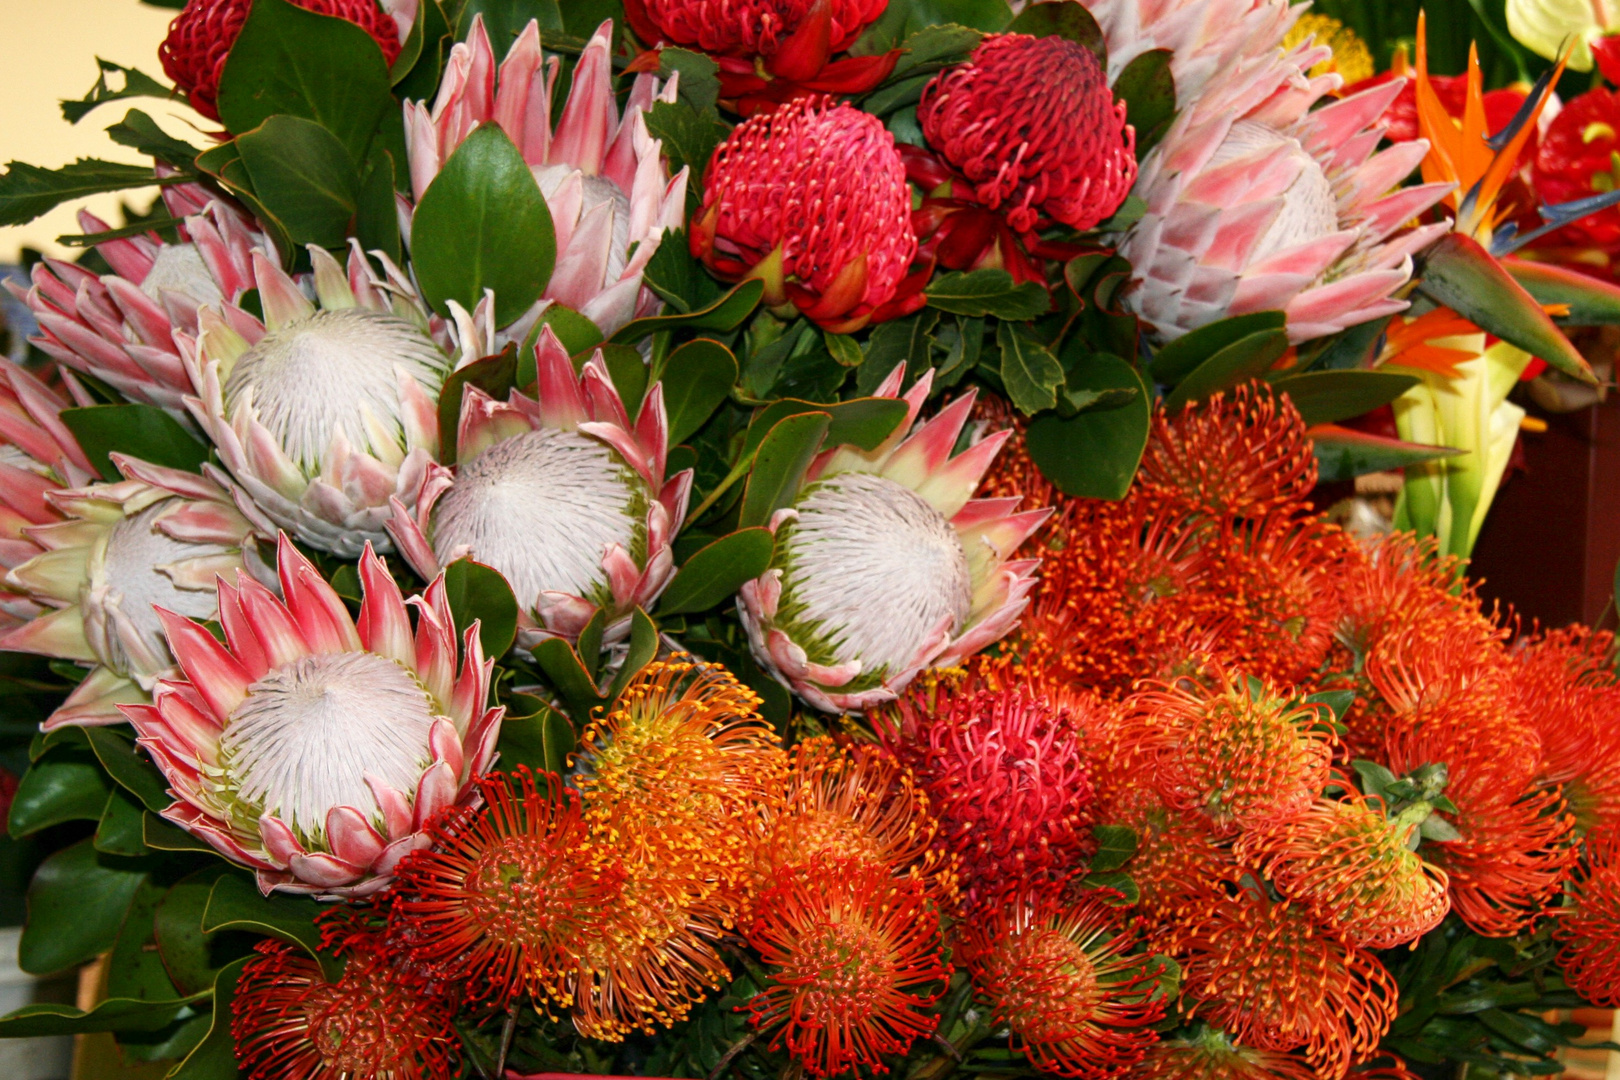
column 752, row 538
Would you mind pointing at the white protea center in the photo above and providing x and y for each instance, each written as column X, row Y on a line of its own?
column 310, row 732
column 1309, row 210
column 132, row 576
column 872, row 569
column 180, row 268
column 336, row 372
column 541, row 508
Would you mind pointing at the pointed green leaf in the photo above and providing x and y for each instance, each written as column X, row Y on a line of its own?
column 1095, row 453
column 1247, row 358
column 140, row 132
column 141, row 431
column 780, row 465
column 136, row 84
column 480, row 593
column 1115, row 846
column 541, row 739
column 1149, row 91
column 114, row 1014
column 1344, row 454
column 1325, row 397
column 567, row 673
column 643, row 647
column 697, row 377
column 1065, row 19
column 1592, row 301
column 121, row 830
column 978, row 293
column 177, row 929
column 494, row 375
column 66, row 783
column 1177, row 359
column 76, row 905
column 1029, row 371
column 714, row 573
column 27, row 191
column 689, row 136
column 235, row 903
column 215, row 1057
column 724, row 314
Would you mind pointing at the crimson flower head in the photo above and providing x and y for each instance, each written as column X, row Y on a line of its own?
column 1031, row 123
column 812, row 200
column 1576, row 160
column 769, row 51
column 201, row 36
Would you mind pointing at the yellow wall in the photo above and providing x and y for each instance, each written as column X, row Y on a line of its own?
column 47, row 52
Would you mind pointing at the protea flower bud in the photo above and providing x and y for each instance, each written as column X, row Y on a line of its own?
column 201, row 37
column 885, row 564
column 321, row 413
column 311, row 749
column 565, row 495
column 1033, row 126
column 812, row 200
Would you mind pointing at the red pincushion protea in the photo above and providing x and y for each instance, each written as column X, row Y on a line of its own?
column 855, row 960
column 1005, row 777
column 1588, row 932
column 290, row 1023
column 1031, row 123
column 1579, row 156
column 1565, row 688
column 201, row 37
column 1212, row 1055
column 1059, row 975
column 812, row 200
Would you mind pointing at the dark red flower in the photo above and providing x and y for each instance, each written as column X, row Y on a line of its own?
column 812, row 200
column 1579, row 157
column 201, row 36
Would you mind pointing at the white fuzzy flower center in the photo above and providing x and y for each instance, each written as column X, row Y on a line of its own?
column 131, row 576
column 542, row 508
column 875, row 569
column 180, row 268
column 308, row 733
column 1309, row 209
column 335, row 373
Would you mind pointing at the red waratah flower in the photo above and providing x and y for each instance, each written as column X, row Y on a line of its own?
column 290, row 1023
column 1058, row 973
column 201, row 36
column 812, row 200
column 1588, row 931
column 1004, row 776
column 855, row 960
column 1576, row 159
column 1265, row 973
column 1566, row 690
column 1235, row 749
column 1031, row 124
column 1350, row 867
column 769, row 51
column 509, row 895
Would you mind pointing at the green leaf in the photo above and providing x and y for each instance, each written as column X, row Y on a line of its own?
column 689, row 136
column 1375, row 778
column 1592, row 301
column 235, row 903
column 188, row 953
column 934, row 47
column 700, row 82
column 1325, row 397
column 1064, row 19
column 1344, row 454
column 140, row 431
column 76, row 905
column 1463, row 276
column 724, row 314
column 901, row 20
column 567, row 672
column 862, row 422
column 504, row 20
column 779, row 466
column 483, row 224
column 27, row 191
column 300, row 64
column 376, row 218
column 843, row 348
column 121, row 830
column 908, row 341
column 1337, row 702
column 714, row 573
column 1246, row 358
column 697, row 377
column 136, row 84
column 679, row 279
column 542, row 740
column 574, row 331
column 125, row 764
column 1180, row 357
column 114, row 1014
column 215, row 1057
column 1095, row 453
column 160, row 835
column 1149, row 92
column 643, row 647
column 224, row 164
column 67, row 783
column 494, row 375
column 1117, row 881
column 481, row 593
column 1115, row 846
column 978, row 293
column 140, row 132
column 628, row 371
column 1029, row 371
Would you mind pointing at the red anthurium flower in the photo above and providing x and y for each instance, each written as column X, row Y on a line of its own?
column 1579, row 156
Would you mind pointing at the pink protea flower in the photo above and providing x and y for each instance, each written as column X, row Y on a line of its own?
column 1004, row 774
column 1204, row 37
column 120, row 327
column 1035, row 130
column 565, row 494
column 603, row 176
column 311, row 748
column 885, row 564
column 1258, row 201
column 812, row 200
column 770, row 51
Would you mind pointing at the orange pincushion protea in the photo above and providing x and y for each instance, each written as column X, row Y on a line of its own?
column 509, row 894
column 855, row 960
column 1351, row 869
column 1566, row 691
column 1236, row 750
column 1263, row 971
column 1059, row 975
column 1177, row 854
column 1588, row 932
column 1212, row 1055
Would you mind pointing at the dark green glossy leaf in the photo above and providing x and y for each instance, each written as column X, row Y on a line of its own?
column 27, row 191
column 76, row 905
column 843, row 348
column 134, row 969
column 141, row 431
column 568, row 674
column 483, row 224
column 1115, row 846
column 542, row 740
column 900, row 20
column 1180, row 357
column 1344, row 454
column 494, row 375
column 114, row 1014
column 1326, row 397
column 504, row 20
column 1247, row 358
column 779, row 466
column 187, row 952
column 159, row 834
column 1149, row 91
column 136, row 84
column 235, row 903
column 574, row 332
column 480, row 593
column 121, row 830
column 1065, row 19
column 700, row 82
column 862, row 422
column 140, row 132
column 1592, row 301
column 125, row 764
column 934, row 47
column 66, row 784
column 714, row 573
column 977, row 293
column 376, row 217
column 1116, row 881
column 643, row 647
column 1029, row 371
column 908, row 341
column 689, row 136
column 1095, row 453
column 697, row 377
column 628, row 371
column 215, row 1057
column 724, row 314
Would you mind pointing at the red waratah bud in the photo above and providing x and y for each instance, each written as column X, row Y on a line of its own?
column 1576, row 159
column 812, row 200
column 1033, row 126
column 201, row 36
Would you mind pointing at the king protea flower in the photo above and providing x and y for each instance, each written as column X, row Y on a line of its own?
column 1256, row 201
column 885, row 564
column 322, row 413
column 309, row 748
column 603, row 177
column 1205, row 38
column 812, row 200
column 120, row 328
column 201, row 37
column 565, row 495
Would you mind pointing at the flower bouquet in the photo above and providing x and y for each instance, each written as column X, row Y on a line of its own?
column 735, row 538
